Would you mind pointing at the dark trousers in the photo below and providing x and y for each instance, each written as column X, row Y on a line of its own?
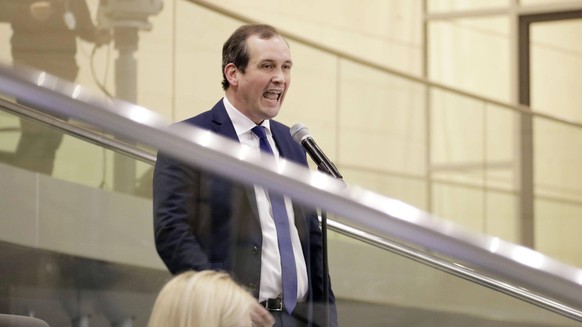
column 300, row 317
column 283, row 319
column 38, row 143
column 37, row 147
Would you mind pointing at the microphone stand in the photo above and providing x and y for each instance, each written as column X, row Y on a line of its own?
column 301, row 135
column 325, row 266
column 335, row 174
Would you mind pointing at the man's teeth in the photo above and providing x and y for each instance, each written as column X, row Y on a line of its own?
column 272, row 95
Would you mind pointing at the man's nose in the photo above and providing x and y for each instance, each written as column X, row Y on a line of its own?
column 279, row 76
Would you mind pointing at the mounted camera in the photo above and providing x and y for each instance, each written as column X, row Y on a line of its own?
column 128, row 13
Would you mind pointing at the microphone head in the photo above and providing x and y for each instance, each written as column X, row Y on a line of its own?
column 299, row 132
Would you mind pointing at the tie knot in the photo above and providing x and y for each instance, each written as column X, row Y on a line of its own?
column 263, row 142
column 259, row 131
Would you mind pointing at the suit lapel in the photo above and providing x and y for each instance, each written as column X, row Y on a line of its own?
column 280, row 140
column 221, row 123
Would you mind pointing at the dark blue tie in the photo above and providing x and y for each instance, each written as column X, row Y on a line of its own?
column 279, row 212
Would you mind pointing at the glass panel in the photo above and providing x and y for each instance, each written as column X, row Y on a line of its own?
column 92, row 250
column 451, row 116
column 73, row 252
column 458, row 162
column 389, row 290
column 471, row 55
column 381, row 115
column 9, row 134
column 558, row 191
column 500, row 143
column 476, row 168
column 556, row 68
column 38, row 147
column 408, row 188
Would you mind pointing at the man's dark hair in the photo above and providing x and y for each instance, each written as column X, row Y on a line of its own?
column 235, row 49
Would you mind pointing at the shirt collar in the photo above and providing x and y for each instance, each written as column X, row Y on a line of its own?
column 242, row 124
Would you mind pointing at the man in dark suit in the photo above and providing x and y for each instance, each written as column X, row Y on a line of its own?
column 203, row 221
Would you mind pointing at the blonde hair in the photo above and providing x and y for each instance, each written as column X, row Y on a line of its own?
column 207, row 298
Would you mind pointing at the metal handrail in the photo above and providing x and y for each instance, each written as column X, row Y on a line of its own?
column 86, row 134
column 373, row 218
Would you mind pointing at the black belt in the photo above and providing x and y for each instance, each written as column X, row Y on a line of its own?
column 273, row 304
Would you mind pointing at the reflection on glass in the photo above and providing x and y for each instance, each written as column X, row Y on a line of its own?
column 462, row 52
column 36, row 147
column 389, row 290
column 558, row 189
column 556, row 68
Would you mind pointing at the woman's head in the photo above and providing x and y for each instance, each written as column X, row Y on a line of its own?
column 206, row 298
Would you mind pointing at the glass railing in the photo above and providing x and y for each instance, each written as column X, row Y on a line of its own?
column 81, row 154
column 88, row 247
column 74, row 251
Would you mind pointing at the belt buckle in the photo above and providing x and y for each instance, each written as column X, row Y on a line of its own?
column 274, row 304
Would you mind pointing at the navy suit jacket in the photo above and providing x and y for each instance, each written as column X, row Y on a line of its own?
column 204, row 221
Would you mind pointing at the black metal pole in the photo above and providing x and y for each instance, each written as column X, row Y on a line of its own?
column 325, row 265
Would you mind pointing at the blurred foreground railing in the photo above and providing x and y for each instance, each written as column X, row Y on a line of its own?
column 368, row 216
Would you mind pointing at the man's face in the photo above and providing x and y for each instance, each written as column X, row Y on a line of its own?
column 260, row 91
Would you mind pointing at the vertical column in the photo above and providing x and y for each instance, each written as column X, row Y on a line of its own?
column 525, row 147
column 126, row 41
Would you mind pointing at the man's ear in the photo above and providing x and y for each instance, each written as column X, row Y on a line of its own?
column 231, row 73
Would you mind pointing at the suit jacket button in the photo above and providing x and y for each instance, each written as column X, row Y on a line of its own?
column 252, row 287
column 255, row 250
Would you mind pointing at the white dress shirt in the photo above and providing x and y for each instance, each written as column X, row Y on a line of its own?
column 271, row 286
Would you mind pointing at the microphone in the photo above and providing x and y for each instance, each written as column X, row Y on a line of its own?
column 301, row 135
